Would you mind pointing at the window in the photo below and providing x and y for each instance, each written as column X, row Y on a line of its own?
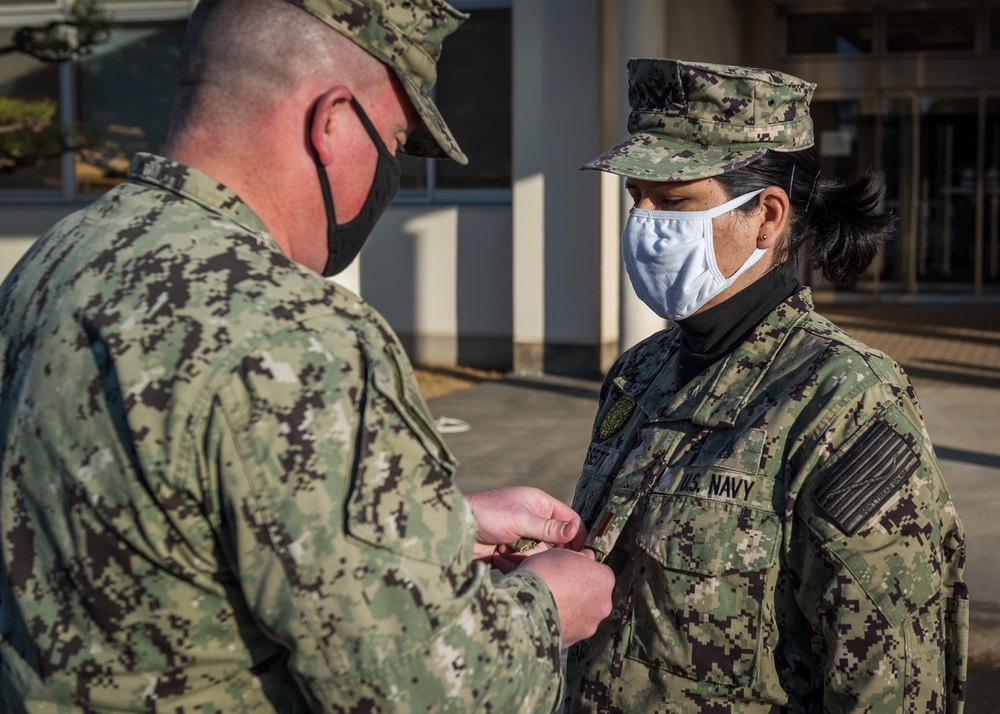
column 943, row 30
column 29, row 99
column 113, row 101
column 829, row 33
column 473, row 92
column 994, row 26
column 125, row 91
column 880, row 27
column 117, row 100
column 845, row 132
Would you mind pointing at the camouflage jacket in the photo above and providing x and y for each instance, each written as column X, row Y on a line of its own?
column 780, row 532
column 222, row 491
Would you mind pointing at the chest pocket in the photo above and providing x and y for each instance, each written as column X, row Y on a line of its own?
column 702, row 610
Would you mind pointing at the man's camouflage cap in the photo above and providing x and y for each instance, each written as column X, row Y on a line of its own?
column 407, row 35
column 692, row 120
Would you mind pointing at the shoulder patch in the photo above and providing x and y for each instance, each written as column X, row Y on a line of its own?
column 870, row 472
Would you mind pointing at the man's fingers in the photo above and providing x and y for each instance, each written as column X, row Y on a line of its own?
column 559, row 510
column 506, row 562
column 558, row 531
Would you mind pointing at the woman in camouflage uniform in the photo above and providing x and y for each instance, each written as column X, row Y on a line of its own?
column 761, row 483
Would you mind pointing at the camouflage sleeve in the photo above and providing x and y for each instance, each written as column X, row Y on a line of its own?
column 877, row 553
column 352, row 545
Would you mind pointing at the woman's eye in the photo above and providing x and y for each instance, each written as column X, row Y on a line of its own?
column 668, row 203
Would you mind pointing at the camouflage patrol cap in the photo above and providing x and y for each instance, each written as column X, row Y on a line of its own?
column 407, row 35
column 692, row 120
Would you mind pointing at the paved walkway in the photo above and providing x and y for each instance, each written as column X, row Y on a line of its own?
column 535, row 430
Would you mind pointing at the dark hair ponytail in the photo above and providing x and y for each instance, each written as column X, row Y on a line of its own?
column 841, row 225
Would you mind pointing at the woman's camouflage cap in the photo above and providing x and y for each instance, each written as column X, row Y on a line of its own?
column 407, row 35
column 691, row 120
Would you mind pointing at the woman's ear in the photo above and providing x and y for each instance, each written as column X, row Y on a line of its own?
column 774, row 216
column 327, row 117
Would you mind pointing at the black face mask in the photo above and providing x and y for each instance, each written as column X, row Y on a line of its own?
column 344, row 240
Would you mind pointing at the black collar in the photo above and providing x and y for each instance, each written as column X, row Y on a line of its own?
column 712, row 334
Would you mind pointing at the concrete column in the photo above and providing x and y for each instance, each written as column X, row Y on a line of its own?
column 528, row 186
column 642, row 32
column 556, row 211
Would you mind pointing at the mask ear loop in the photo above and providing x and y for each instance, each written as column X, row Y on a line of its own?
column 324, row 184
column 812, row 191
column 791, row 183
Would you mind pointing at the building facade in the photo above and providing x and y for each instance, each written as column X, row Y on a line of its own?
column 513, row 262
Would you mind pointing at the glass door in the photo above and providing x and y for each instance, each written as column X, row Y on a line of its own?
column 848, row 139
column 930, row 155
column 940, row 159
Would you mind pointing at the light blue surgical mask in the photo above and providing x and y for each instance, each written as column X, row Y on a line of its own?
column 670, row 258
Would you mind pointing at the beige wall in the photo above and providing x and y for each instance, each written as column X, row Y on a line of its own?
column 442, row 277
column 11, row 250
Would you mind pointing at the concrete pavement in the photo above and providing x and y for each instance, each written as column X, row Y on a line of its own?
column 535, row 430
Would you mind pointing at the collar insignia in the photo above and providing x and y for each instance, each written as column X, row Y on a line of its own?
column 619, row 413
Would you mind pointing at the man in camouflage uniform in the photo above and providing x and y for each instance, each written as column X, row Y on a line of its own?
column 221, row 489
column 779, row 528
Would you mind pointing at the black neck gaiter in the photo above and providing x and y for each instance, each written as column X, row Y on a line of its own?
column 344, row 240
column 708, row 336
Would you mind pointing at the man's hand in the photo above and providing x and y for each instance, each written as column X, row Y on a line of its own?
column 505, row 515
column 580, row 586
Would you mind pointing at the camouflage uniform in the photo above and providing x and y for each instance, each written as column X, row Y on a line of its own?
column 222, row 491
column 779, row 529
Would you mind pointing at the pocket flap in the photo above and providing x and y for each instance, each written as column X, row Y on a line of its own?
column 393, row 378
column 708, row 537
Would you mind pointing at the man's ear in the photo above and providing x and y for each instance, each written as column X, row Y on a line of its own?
column 329, row 112
column 774, row 206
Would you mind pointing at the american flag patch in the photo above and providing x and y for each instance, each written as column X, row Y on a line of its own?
column 867, row 476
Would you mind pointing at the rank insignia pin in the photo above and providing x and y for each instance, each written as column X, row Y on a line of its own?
column 619, row 413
